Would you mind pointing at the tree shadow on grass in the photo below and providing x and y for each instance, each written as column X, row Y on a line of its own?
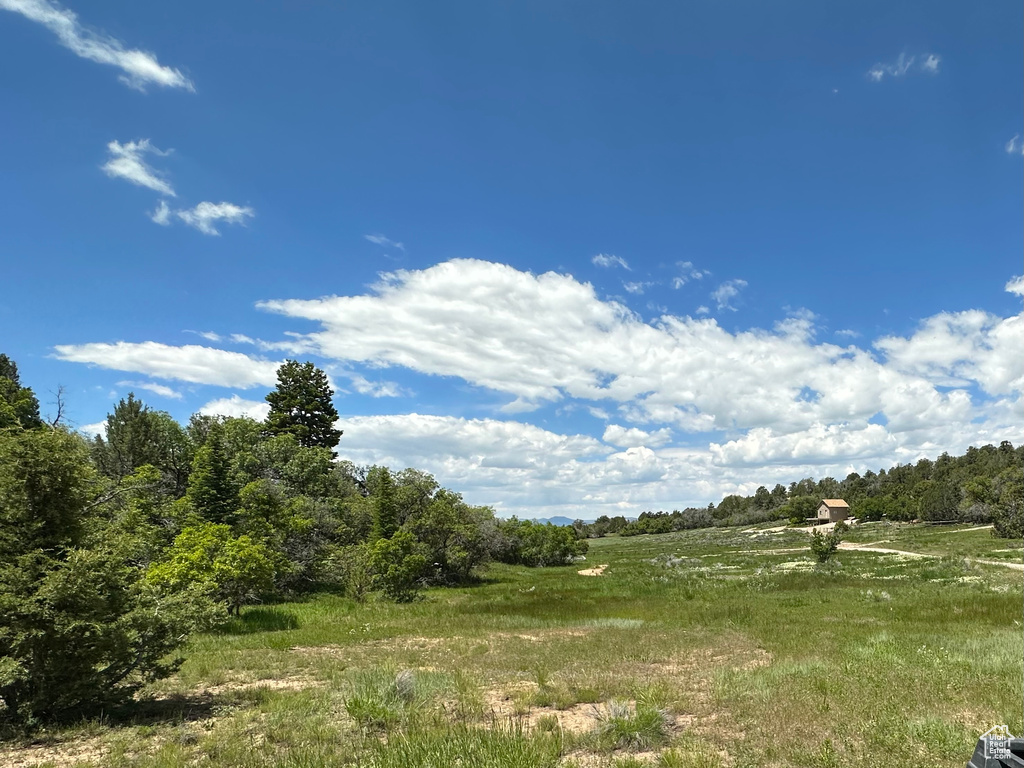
column 146, row 710
column 256, row 620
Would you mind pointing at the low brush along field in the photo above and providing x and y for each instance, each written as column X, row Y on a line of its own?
column 699, row 649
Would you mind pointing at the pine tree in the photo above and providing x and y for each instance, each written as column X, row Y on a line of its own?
column 301, row 406
column 385, row 505
column 18, row 405
column 211, row 491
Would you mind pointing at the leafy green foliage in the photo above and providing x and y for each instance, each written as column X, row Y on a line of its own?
column 301, row 406
column 456, row 536
column 524, row 542
column 1008, row 507
column 234, row 570
column 800, row 507
column 18, row 405
column 823, row 546
column 79, row 627
column 398, row 565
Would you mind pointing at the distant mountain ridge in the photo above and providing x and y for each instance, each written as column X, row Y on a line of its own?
column 556, row 520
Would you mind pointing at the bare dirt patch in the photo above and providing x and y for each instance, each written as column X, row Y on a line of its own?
column 61, row 754
column 271, row 684
column 597, row 571
column 577, row 719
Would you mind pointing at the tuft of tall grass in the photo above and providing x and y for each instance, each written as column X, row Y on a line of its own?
column 508, row 746
column 381, row 698
column 621, row 726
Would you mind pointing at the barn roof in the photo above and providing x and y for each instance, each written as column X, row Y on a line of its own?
column 835, row 503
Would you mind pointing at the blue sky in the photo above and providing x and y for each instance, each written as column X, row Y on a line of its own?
column 573, row 258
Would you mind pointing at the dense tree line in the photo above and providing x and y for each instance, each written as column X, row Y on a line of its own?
column 985, row 485
column 113, row 551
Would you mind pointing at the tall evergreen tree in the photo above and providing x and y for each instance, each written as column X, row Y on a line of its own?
column 301, row 406
column 18, row 405
column 137, row 435
column 211, row 491
column 385, row 504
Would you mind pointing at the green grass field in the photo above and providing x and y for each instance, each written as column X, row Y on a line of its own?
column 697, row 649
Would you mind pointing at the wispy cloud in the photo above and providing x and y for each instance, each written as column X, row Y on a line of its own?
column 687, row 272
column 609, row 260
column 726, row 292
column 1015, row 285
column 364, row 386
column 928, row 63
column 931, row 64
column 126, row 162
column 139, row 68
column 162, row 214
column 205, row 217
column 1015, row 146
column 386, row 242
column 150, row 386
column 639, row 287
column 847, row 333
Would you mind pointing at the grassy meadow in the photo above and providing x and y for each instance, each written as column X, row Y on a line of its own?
column 699, row 649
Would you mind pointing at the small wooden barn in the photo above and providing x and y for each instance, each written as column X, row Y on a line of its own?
column 833, row 510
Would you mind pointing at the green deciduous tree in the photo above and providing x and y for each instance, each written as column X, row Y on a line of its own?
column 456, row 535
column 301, row 406
column 233, row 570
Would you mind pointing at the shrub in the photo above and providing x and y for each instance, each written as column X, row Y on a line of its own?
column 524, row 542
column 824, row 546
column 234, row 570
column 398, row 566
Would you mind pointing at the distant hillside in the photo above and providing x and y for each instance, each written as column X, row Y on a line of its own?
column 556, row 520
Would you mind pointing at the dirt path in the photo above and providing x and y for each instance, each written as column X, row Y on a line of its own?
column 850, row 547
column 884, row 550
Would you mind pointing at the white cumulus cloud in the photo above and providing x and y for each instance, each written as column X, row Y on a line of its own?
column 139, row 68
column 632, row 437
column 235, row 407
column 698, row 410
column 192, row 363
